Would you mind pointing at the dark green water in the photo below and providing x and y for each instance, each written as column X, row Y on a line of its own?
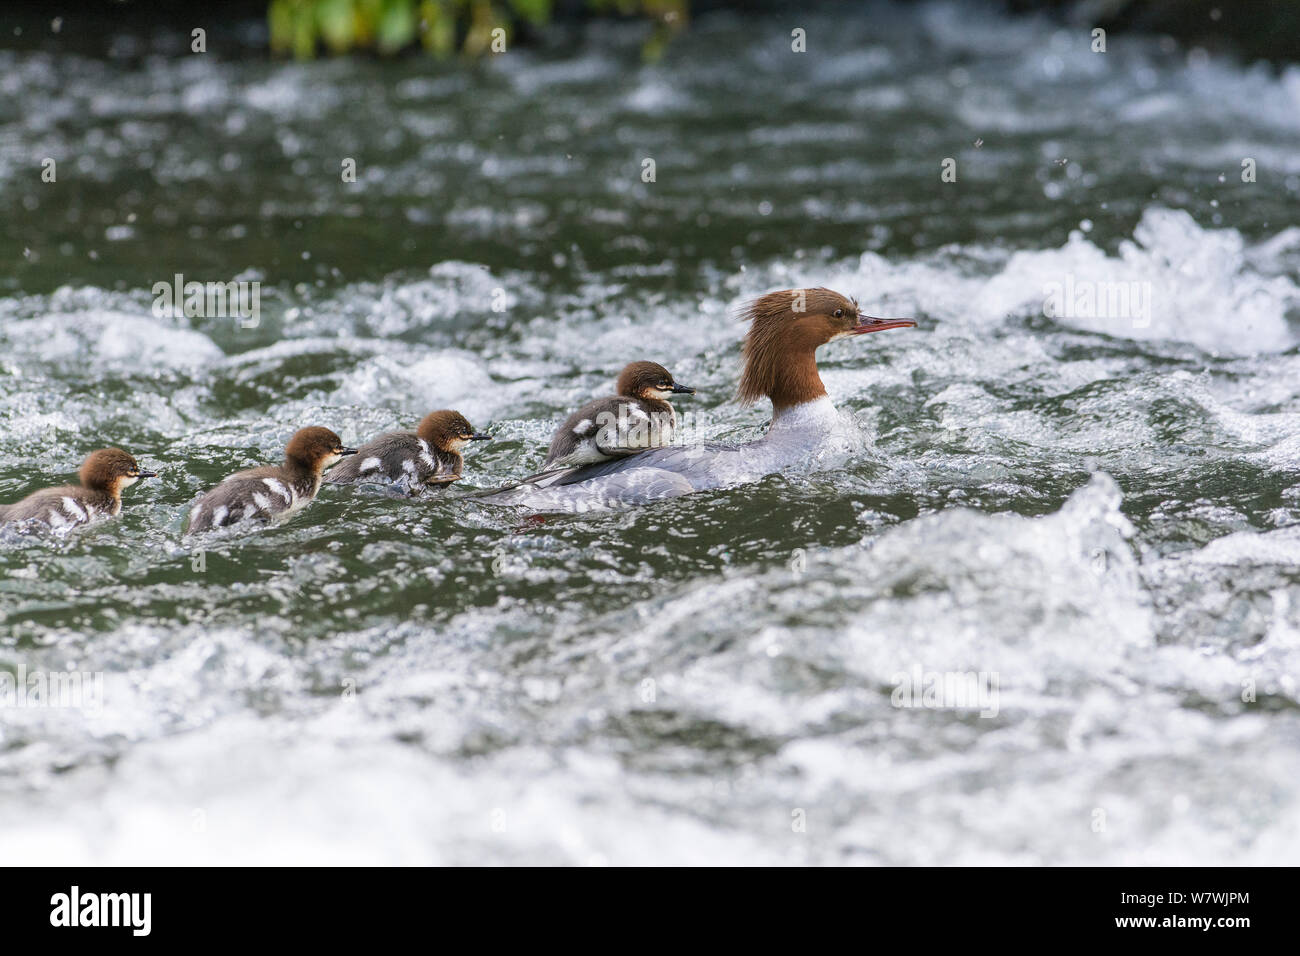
column 1099, row 511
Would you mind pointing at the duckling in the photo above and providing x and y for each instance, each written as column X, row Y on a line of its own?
column 104, row 474
column 272, row 492
column 637, row 418
column 412, row 462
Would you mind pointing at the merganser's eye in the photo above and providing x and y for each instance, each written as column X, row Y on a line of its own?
column 839, row 313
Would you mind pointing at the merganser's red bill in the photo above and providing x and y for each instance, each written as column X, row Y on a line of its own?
column 869, row 323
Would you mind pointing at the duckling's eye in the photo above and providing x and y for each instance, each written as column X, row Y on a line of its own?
column 839, row 313
column 665, row 384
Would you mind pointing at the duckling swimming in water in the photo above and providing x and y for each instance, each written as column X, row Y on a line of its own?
column 412, row 462
column 104, row 474
column 272, row 492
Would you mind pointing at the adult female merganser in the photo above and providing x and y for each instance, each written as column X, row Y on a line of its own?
column 103, row 475
column 412, row 462
column 273, row 492
column 786, row 329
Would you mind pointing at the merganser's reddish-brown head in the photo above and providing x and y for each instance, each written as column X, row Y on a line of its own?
column 649, row 380
column 314, row 449
column 448, row 431
column 785, row 330
column 111, row 470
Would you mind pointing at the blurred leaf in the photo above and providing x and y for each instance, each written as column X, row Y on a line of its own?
column 396, row 27
column 439, row 36
column 299, row 26
column 483, row 20
column 279, row 20
column 304, row 31
column 337, row 23
column 536, row 12
column 366, row 15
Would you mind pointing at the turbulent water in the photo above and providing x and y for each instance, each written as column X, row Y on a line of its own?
column 1095, row 515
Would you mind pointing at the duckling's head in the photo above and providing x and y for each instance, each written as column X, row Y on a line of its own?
column 650, row 380
column 111, row 470
column 448, row 431
column 315, row 449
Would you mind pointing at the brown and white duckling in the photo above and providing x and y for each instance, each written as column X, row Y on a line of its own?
column 104, row 474
column 272, row 492
column 638, row 417
column 412, row 462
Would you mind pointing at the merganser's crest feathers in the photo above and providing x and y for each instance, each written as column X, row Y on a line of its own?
column 785, row 330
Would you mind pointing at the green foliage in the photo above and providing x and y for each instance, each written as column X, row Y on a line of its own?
column 397, row 26
column 441, row 27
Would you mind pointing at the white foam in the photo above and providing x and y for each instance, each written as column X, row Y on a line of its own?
column 444, row 379
column 1202, row 285
column 63, row 333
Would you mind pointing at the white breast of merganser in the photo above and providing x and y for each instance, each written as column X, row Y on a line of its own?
column 786, row 329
